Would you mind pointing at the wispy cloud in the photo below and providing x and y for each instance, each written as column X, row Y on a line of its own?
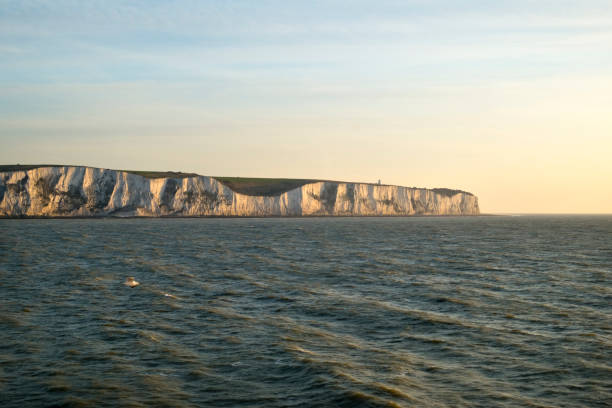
column 463, row 84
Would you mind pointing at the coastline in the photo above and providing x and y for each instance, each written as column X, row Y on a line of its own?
column 70, row 192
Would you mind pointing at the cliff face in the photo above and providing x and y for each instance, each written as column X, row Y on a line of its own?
column 86, row 191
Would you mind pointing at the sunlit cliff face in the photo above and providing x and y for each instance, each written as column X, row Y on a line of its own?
column 86, row 191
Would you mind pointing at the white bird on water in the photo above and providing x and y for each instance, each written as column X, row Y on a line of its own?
column 131, row 282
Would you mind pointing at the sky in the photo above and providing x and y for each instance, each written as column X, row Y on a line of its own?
column 510, row 100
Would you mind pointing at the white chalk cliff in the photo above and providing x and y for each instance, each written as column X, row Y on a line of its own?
column 85, row 191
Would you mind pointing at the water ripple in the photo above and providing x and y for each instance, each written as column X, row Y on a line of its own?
column 347, row 312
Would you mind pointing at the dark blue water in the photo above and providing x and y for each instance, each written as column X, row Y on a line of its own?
column 348, row 312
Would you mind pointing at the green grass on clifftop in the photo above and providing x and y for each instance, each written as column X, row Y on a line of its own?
column 161, row 174
column 24, row 167
column 262, row 186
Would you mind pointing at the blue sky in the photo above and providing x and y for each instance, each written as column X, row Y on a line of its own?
column 499, row 98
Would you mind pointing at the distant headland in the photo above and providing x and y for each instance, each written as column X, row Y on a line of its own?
column 80, row 191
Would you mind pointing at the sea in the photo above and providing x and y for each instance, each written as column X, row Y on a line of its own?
column 488, row 311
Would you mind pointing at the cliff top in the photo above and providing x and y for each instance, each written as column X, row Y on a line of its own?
column 262, row 186
column 243, row 185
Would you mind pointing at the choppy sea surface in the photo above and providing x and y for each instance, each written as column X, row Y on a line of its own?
column 307, row 312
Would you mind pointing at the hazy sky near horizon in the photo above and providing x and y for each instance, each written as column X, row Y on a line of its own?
column 511, row 100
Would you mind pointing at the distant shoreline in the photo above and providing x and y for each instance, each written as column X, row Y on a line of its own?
column 130, row 217
column 33, row 191
column 101, row 217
